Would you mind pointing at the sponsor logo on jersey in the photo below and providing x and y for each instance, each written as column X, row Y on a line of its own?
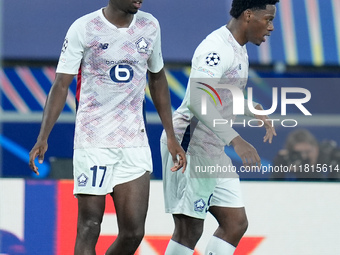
column 213, row 59
column 123, row 61
column 199, row 205
column 82, row 180
column 142, row 45
column 121, row 73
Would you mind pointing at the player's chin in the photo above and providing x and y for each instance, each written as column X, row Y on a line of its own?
column 133, row 11
column 259, row 41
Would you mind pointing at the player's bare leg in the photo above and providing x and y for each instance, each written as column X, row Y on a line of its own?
column 90, row 215
column 232, row 222
column 188, row 231
column 131, row 202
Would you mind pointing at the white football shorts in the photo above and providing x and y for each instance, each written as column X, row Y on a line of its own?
column 184, row 194
column 96, row 171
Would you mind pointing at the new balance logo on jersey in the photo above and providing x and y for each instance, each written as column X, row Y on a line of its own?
column 142, row 45
column 103, row 46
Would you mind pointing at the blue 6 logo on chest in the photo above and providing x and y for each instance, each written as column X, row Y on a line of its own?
column 121, row 73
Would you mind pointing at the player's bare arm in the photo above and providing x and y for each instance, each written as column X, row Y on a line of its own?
column 161, row 98
column 269, row 126
column 54, row 105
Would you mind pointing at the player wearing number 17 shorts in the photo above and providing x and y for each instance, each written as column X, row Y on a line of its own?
column 111, row 50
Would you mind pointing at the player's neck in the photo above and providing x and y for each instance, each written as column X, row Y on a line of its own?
column 117, row 17
column 236, row 29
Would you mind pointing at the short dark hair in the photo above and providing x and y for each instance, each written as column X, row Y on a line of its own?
column 239, row 6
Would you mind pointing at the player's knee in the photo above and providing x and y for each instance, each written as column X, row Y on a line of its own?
column 188, row 236
column 234, row 228
column 89, row 228
column 239, row 227
column 132, row 238
column 243, row 226
column 195, row 233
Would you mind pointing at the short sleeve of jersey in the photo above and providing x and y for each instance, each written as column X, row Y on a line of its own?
column 155, row 61
column 72, row 50
column 211, row 60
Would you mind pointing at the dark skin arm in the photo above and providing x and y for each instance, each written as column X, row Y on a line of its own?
column 159, row 91
column 245, row 150
column 54, row 105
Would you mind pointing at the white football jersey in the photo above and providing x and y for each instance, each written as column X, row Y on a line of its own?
column 218, row 57
column 112, row 64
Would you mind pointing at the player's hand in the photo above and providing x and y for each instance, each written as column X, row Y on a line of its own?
column 269, row 126
column 246, row 152
column 178, row 155
column 38, row 150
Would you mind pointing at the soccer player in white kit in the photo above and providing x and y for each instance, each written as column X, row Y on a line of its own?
column 111, row 50
column 222, row 56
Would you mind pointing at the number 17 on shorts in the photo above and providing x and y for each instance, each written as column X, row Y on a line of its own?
column 95, row 180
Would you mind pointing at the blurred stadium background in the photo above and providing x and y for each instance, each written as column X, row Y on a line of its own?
column 35, row 214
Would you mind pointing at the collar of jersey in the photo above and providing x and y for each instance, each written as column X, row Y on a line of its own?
column 228, row 33
column 112, row 25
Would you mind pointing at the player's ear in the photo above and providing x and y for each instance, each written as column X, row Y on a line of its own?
column 246, row 15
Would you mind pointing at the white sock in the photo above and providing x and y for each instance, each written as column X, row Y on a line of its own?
column 217, row 246
column 175, row 248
